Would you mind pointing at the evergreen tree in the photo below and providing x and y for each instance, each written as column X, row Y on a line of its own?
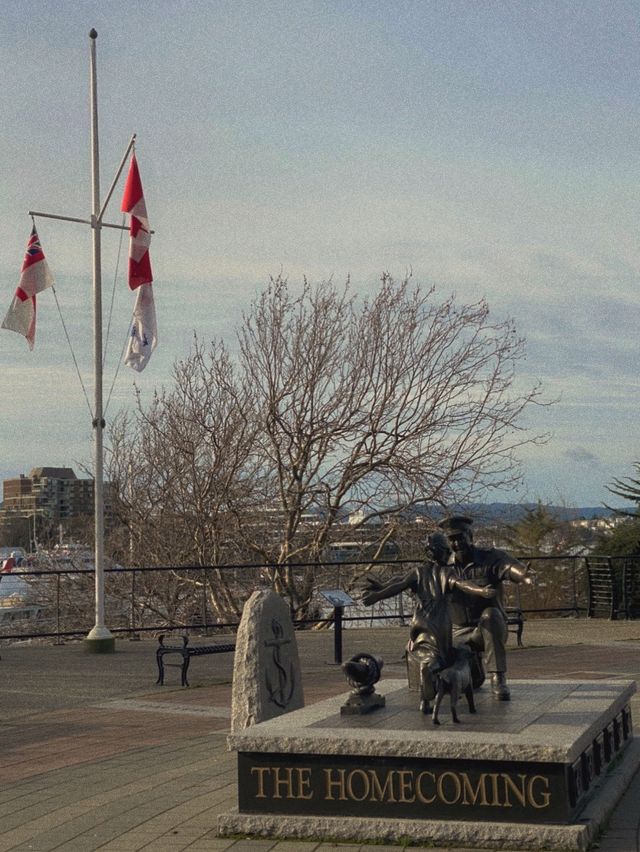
column 538, row 532
column 625, row 538
column 628, row 489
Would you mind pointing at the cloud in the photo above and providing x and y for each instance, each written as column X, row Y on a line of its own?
column 582, row 456
column 490, row 151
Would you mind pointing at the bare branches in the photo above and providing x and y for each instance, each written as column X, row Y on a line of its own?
column 332, row 404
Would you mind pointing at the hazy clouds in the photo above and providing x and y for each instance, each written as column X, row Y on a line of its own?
column 492, row 148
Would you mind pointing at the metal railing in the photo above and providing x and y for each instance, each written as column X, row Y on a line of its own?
column 149, row 599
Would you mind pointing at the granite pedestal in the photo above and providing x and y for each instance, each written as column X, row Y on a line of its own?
column 540, row 772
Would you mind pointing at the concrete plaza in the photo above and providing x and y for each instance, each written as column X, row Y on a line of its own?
column 94, row 755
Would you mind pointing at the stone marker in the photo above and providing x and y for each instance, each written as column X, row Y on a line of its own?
column 267, row 680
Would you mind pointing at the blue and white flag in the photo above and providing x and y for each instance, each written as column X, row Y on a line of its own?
column 143, row 336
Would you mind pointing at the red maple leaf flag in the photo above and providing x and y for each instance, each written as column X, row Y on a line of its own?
column 133, row 203
column 35, row 277
column 143, row 334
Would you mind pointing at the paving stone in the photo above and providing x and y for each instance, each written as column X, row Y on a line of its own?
column 210, row 842
column 619, row 840
column 169, row 844
column 129, row 841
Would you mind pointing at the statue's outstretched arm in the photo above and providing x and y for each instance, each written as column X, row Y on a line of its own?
column 472, row 588
column 395, row 586
column 518, row 572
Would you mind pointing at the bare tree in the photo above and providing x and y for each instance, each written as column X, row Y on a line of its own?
column 333, row 404
column 183, row 472
column 402, row 400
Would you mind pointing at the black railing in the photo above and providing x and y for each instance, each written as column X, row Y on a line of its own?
column 209, row 598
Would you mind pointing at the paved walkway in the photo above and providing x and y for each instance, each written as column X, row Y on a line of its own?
column 93, row 755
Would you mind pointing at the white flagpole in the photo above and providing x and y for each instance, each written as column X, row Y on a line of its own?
column 123, row 162
column 100, row 638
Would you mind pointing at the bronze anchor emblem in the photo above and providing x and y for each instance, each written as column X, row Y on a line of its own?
column 286, row 680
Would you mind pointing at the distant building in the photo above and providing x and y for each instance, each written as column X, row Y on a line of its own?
column 53, row 494
column 359, row 516
column 604, row 524
column 348, row 551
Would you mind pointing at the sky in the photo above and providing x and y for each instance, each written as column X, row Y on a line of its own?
column 489, row 147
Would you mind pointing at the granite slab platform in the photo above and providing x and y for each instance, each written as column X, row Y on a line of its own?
column 541, row 771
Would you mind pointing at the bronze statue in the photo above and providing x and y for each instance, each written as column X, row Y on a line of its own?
column 430, row 645
column 362, row 672
column 481, row 623
column 454, row 681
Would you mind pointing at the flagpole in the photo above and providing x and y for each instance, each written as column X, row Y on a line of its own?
column 100, row 638
column 81, row 221
column 123, row 162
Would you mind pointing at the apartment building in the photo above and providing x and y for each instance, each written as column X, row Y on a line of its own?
column 54, row 494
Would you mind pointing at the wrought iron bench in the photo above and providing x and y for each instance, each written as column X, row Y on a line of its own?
column 515, row 619
column 186, row 652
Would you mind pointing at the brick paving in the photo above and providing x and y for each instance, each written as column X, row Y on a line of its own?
column 94, row 755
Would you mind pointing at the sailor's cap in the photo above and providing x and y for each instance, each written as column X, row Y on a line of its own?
column 456, row 524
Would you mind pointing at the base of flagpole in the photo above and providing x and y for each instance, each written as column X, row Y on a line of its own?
column 100, row 640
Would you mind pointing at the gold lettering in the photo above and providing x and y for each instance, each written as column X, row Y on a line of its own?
column 488, row 789
column 421, row 796
column 519, row 793
column 359, row 773
column 382, row 793
column 260, row 770
column 304, row 783
column 544, row 796
column 331, row 784
column 285, row 782
column 480, row 791
column 495, row 798
column 456, row 786
column 406, row 785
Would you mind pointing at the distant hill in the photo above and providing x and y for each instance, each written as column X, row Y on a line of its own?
column 510, row 513
column 513, row 512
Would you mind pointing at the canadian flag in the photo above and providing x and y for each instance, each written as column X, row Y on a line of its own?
column 143, row 335
column 134, row 204
column 35, row 277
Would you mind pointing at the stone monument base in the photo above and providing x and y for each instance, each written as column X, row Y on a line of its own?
column 540, row 772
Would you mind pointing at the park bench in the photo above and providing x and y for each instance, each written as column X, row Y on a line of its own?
column 186, row 651
column 515, row 619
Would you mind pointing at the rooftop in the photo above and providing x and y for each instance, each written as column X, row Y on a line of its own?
column 52, row 473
